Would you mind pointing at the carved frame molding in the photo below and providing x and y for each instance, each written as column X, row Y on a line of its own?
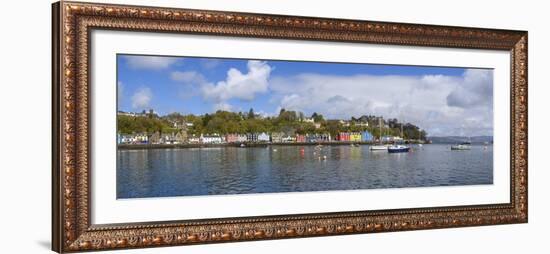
column 71, row 226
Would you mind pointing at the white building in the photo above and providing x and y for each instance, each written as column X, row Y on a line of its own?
column 241, row 138
column 194, row 140
column 263, row 137
column 289, row 139
column 344, row 123
column 211, row 139
column 308, row 120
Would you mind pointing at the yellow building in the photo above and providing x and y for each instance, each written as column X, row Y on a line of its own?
column 355, row 137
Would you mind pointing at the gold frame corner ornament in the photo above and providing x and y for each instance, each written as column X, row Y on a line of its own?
column 71, row 226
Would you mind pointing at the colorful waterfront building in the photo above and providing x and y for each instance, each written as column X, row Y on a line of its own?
column 232, row 138
column 300, row 138
column 277, row 137
column 343, row 136
column 169, row 139
column 194, row 140
column 289, row 139
column 154, row 138
column 355, row 137
column 263, row 137
column 210, row 139
column 251, row 137
column 366, row 136
column 134, row 139
column 241, row 138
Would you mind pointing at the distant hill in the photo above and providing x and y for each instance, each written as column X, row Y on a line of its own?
column 459, row 139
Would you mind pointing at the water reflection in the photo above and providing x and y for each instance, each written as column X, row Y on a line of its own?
column 233, row 170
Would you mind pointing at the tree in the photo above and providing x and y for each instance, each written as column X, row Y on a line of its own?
column 317, row 117
column 251, row 114
column 333, row 127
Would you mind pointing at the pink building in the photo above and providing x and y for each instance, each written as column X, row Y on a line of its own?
column 300, row 138
column 231, row 138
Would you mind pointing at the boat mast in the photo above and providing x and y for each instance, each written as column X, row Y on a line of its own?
column 380, row 126
column 402, row 130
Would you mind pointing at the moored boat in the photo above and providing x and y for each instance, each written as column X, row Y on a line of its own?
column 398, row 149
column 463, row 146
column 378, row 148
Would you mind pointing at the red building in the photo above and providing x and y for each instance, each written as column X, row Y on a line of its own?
column 300, row 138
column 343, row 136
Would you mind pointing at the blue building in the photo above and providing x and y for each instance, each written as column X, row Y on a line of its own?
column 366, row 136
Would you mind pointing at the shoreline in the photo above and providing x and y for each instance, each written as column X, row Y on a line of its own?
column 247, row 145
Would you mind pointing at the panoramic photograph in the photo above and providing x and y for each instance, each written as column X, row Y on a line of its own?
column 195, row 126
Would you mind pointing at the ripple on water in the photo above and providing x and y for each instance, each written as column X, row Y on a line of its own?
column 231, row 170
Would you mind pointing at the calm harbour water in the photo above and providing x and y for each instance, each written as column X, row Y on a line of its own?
column 233, row 170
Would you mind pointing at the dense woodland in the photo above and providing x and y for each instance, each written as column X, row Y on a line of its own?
column 288, row 122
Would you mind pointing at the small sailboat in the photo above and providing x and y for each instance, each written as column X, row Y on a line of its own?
column 380, row 146
column 398, row 149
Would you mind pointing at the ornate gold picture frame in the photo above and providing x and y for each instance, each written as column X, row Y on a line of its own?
column 72, row 229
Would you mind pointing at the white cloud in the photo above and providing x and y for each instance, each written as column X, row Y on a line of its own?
column 444, row 105
column 223, row 106
column 141, row 98
column 238, row 85
column 190, row 77
column 150, row 62
column 476, row 89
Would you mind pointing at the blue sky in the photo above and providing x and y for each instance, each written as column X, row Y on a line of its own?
column 435, row 97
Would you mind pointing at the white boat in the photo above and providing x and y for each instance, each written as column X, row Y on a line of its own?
column 378, row 148
column 463, row 146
